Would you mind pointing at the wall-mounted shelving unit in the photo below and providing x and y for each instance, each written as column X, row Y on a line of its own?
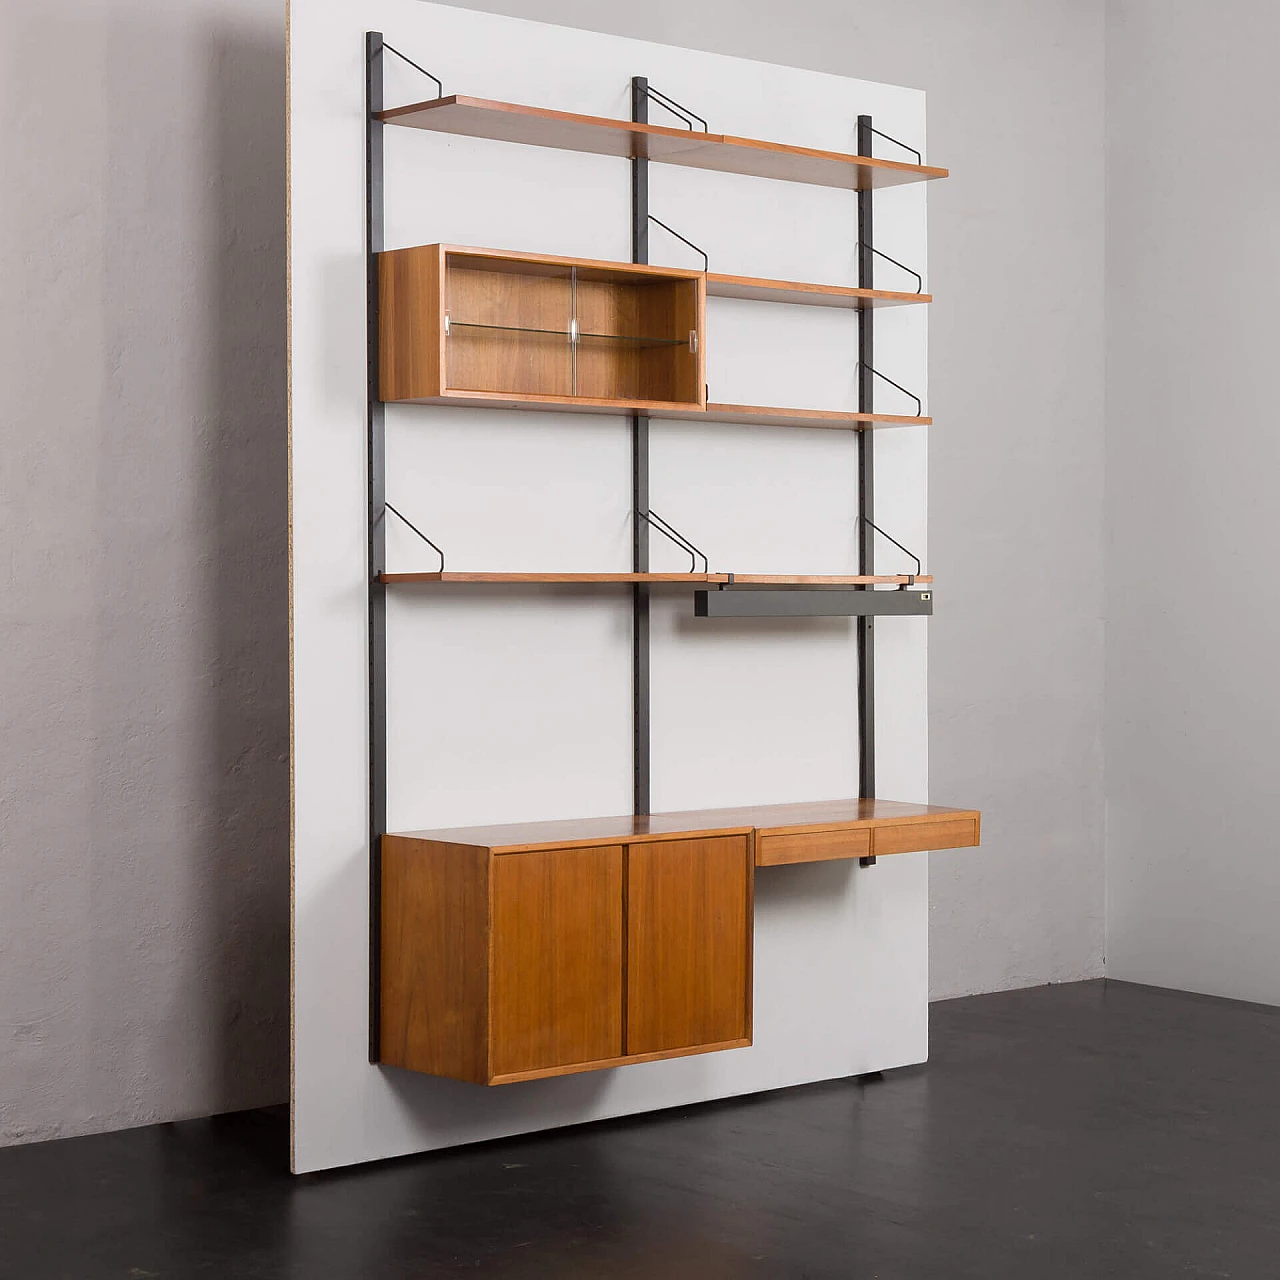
column 743, row 414
column 798, row 293
column 520, row 952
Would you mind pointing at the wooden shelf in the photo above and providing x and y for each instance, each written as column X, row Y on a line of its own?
column 677, row 579
column 765, row 416
column 599, row 135
column 754, row 289
column 928, row 822
column 747, row 414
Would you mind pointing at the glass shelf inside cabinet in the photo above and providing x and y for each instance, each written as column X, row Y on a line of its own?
column 450, row 325
column 635, row 341
column 570, row 335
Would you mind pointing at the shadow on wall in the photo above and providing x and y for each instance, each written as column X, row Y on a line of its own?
column 189, row 811
column 144, row 803
column 244, row 446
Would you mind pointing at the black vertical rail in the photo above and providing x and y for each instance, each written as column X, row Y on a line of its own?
column 640, row 488
column 866, row 486
column 377, row 532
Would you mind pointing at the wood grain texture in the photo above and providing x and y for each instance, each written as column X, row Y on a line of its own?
column 750, row 989
column 557, row 959
column 609, row 370
column 958, row 833
column 529, row 950
column 759, row 289
column 538, row 403
column 476, row 258
column 742, row 414
column 813, row 846
column 688, row 943
column 634, row 329
column 434, row 958
column 410, row 323
column 537, row 358
column 661, row 311
column 770, row 416
column 631, row 829
column 509, row 330
column 600, row 135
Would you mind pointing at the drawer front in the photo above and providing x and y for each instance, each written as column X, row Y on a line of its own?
column 812, row 846
column 913, row 837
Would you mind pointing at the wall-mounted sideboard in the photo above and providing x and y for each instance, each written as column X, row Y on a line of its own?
column 540, row 949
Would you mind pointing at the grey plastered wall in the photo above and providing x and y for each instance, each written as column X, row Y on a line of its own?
column 143, row 774
column 144, row 882
column 1193, row 702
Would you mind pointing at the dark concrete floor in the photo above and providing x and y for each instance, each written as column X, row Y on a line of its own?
column 1076, row 1131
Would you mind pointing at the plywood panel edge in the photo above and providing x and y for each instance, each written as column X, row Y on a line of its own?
column 293, row 793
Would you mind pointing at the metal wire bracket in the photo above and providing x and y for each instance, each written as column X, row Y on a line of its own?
column 403, row 58
column 655, row 521
column 418, row 531
column 901, row 265
column 676, row 109
column 884, row 378
column 919, row 567
column 706, row 262
column 896, row 143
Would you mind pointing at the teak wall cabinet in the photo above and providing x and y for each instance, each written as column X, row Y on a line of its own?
column 467, row 322
column 500, row 967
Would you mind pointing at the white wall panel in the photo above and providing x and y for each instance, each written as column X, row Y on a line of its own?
column 508, row 705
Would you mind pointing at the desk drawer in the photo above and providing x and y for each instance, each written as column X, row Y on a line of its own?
column 812, row 846
column 912, row 837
